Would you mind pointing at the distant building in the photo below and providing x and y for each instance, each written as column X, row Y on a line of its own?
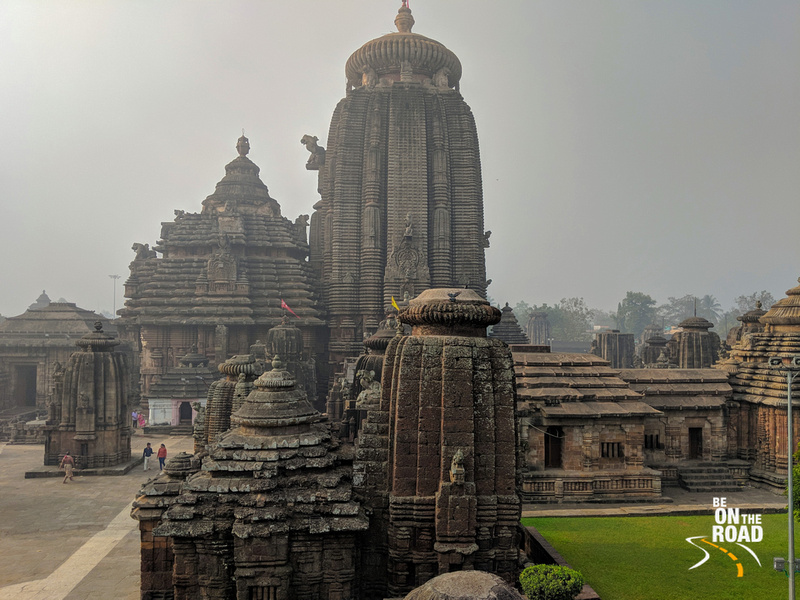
column 33, row 344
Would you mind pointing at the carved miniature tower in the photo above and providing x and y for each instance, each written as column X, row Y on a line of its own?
column 90, row 414
column 402, row 201
column 437, row 462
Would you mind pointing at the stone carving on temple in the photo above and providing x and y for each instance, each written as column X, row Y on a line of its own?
column 401, row 182
column 219, row 278
column 317, row 158
column 428, row 423
column 91, row 417
column 265, row 517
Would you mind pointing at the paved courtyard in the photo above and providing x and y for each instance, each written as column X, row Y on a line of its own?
column 75, row 541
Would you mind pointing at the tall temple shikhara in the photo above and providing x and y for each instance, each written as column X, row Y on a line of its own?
column 402, row 201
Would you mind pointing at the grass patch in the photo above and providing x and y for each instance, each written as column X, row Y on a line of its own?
column 648, row 558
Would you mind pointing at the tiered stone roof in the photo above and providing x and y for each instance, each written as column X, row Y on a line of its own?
column 508, row 329
column 231, row 264
column 56, row 324
column 685, row 389
column 573, row 385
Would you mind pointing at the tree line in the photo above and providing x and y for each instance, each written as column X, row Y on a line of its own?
column 572, row 319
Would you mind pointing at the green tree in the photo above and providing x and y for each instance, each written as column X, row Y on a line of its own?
column 550, row 582
column 523, row 310
column 635, row 312
column 748, row 302
column 709, row 308
column 575, row 320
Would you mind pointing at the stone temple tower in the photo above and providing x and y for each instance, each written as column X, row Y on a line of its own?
column 402, row 201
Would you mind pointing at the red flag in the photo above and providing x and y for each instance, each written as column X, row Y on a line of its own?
column 286, row 306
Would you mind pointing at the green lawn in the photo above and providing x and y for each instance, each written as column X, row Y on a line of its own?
column 648, row 558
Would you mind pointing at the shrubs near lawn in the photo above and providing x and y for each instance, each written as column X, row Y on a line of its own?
column 550, row 582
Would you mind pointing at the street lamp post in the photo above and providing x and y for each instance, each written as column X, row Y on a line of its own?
column 792, row 367
column 114, row 282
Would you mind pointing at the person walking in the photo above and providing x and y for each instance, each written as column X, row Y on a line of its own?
column 148, row 452
column 162, row 457
column 135, row 417
column 68, row 464
column 141, row 420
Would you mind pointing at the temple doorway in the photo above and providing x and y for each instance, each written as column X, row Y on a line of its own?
column 25, row 385
column 185, row 413
column 695, row 442
column 552, row 448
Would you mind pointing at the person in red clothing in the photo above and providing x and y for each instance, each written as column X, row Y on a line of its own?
column 68, row 464
column 162, row 457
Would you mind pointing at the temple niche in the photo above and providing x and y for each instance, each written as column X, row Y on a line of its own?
column 400, row 183
column 222, row 279
column 89, row 415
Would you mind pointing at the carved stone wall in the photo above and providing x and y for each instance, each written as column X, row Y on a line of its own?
column 401, row 181
column 437, row 460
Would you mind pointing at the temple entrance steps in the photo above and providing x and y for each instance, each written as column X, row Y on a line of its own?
column 697, row 476
column 182, row 429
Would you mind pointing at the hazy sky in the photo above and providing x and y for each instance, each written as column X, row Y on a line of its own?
column 650, row 146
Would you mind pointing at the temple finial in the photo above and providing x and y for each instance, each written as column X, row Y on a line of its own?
column 243, row 145
column 404, row 21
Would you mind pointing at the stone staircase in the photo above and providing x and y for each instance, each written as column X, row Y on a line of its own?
column 183, row 429
column 706, row 477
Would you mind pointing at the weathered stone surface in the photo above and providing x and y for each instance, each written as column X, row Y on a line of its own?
column 465, row 585
column 581, row 428
column 89, row 415
column 402, row 202
column 271, row 508
column 35, row 345
column 221, row 278
column 450, row 475
column 757, row 413
column 694, row 347
column 508, row 329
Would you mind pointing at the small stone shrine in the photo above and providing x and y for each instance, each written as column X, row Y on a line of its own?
column 749, row 322
column 89, row 415
column 286, row 340
column 508, row 328
column 35, row 345
column 226, row 395
column 271, row 513
column 539, row 329
column 437, row 459
column 694, row 346
column 615, row 347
